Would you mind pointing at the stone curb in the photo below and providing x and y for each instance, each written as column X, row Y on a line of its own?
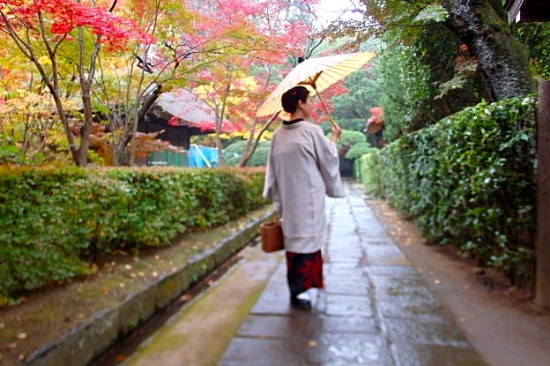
column 92, row 338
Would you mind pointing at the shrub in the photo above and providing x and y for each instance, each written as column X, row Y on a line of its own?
column 468, row 180
column 370, row 173
column 53, row 221
column 233, row 153
column 359, row 149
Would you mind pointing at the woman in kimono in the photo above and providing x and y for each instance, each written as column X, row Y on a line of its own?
column 302, row 168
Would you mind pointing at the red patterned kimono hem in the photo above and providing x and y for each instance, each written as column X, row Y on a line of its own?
column 304, row 271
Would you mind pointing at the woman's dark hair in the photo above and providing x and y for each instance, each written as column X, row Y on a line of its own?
column 291, row 97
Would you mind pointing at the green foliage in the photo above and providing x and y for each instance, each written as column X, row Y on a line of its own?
column 348, row 139
column 468, row 180
column 432, row 13
column 352, row 109
column 234, row 151
column 9, row 153
column 350, row 124
column 371, row 173
column 38, row 245
column 53, row 222
column 407, row 86
column 536, row 36
column 426, row 72
column 359, row 149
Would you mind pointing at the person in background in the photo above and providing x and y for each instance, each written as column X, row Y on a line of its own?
column 302, row 169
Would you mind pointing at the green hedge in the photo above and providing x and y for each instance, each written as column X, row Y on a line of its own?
column 55, row 221
column 369, row 173
column 468, row 180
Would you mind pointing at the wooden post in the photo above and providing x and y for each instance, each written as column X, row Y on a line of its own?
column 542, row 243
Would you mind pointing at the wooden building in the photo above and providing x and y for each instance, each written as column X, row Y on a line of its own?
column 528, row 10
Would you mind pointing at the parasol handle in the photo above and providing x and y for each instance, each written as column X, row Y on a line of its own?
column 333, row 122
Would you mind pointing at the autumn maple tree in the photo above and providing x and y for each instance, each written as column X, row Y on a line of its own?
column 209, row 58
column 62, row 40
column 105, row 63
column 242, row 47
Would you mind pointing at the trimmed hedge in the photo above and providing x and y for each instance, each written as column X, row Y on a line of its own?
column 468, row 180
column 55, row 221
column 369, row 172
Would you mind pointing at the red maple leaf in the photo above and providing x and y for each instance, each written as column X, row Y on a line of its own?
column 67, row 15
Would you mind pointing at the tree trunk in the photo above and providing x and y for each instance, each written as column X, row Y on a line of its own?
column 219, row 121
column 250, row 145
column 501, row 58
column 86, row 77
column 86, row 130
column 120, row 150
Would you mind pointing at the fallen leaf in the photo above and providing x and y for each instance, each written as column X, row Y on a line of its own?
column 22, row 335
column 313, row 343
column 186, row 297
column 120, row 358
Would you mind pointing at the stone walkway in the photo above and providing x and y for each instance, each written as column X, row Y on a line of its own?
column 376, row 309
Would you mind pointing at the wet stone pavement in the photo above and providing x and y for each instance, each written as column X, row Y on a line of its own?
column 375, row 309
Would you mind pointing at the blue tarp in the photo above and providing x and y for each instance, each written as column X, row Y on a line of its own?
column 202, row 156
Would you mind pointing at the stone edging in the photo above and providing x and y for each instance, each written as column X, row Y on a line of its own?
column 90, row 339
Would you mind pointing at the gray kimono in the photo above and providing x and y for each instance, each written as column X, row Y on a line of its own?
column 302, row 168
